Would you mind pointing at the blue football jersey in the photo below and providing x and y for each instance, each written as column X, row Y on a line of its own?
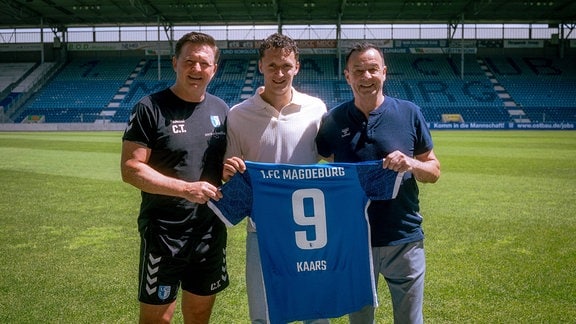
column 313, row 232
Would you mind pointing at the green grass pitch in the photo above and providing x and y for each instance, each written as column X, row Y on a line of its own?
column 500, row 231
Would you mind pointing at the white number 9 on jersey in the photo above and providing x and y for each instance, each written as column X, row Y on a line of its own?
column 317, row 219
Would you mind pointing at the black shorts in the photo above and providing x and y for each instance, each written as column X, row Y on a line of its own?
column 196, row 262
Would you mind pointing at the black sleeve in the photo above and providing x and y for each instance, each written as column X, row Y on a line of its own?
column 141, row 123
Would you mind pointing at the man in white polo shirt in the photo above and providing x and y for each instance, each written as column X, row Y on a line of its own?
column 277, row 125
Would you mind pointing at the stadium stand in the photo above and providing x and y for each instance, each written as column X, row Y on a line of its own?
column 541, row 88
column 437, row 85
column 34, row 77
column 80, row 91
column 490, row 89
column 12, row 73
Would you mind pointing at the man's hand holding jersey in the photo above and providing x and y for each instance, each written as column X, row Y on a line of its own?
column 231, row 166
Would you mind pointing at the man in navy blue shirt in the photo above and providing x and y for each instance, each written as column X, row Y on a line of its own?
column 375, row 126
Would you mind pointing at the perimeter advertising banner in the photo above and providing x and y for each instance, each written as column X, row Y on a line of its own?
column 389, row 46
column 20, row 47
column 524, row 43
column 119, row 46
column 502, row 126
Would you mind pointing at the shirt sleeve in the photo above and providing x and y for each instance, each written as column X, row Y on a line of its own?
column 236, row 203
column 322, row 145
column 377, row 182
column 424, row 138
column 141, row 123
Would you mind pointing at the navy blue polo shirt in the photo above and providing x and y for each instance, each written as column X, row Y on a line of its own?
column 395, row 125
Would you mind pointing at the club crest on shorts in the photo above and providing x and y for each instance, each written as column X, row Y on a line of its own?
column 164, row 292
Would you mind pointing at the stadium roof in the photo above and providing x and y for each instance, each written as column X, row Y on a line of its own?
column 75, row 13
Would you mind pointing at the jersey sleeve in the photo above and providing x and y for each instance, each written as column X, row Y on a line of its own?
column 377, row 182
column 236, row 203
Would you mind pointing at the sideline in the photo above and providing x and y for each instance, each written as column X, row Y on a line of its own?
column 43, row 127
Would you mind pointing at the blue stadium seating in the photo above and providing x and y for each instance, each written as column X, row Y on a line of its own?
column 537, row 81
column 80, row 91
column 542, row 87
